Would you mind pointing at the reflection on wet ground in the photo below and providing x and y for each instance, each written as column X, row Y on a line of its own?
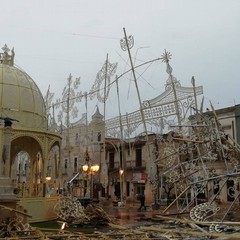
column 129, row 220
column 134, row 217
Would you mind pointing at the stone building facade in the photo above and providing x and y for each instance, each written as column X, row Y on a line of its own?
column 131, row 166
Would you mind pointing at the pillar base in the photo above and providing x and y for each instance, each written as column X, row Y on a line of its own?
column 7, row 199
column 6, row 189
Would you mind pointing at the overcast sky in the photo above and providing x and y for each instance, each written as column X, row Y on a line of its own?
column 53, row 38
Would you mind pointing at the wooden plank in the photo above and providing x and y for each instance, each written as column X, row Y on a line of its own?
column 14, row 210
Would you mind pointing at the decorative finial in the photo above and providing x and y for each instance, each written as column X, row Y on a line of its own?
column 5, row 49
column 5, row 57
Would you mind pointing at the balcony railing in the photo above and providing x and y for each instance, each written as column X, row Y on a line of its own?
column 129, row 165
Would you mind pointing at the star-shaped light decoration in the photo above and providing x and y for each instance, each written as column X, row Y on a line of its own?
column 166, row 56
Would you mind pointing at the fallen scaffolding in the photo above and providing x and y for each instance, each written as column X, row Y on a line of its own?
column 200, row 169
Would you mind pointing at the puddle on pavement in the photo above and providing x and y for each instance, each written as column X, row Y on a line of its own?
column 122, row 217
column 134, row 217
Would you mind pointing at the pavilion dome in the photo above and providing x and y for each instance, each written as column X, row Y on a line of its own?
column 20, row 97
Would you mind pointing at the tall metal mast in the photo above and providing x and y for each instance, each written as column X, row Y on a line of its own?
column 104, row 110
column 126, row 44
column 103, row 78
column 122, row 170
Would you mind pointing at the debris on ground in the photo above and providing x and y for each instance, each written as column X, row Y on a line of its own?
column 71, row 211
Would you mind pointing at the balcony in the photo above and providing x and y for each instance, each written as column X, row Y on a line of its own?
column 129, row 165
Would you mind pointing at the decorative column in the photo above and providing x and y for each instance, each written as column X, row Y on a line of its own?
column 6, row 150
column 7, row 197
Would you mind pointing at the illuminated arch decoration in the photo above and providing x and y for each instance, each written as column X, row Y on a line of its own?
column 161, row 111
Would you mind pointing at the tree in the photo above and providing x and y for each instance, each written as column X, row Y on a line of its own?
column 167, row 185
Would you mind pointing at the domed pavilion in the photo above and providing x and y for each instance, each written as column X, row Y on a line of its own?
column 30, row 163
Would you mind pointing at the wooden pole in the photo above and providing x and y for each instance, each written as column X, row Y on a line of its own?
column 176, row 199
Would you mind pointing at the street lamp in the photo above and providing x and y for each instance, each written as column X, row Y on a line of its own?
column 90, row 170
column 121, row 185
column 48, row 177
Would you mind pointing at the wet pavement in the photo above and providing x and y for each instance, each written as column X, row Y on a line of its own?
column 130, row 215
column 132, row 218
